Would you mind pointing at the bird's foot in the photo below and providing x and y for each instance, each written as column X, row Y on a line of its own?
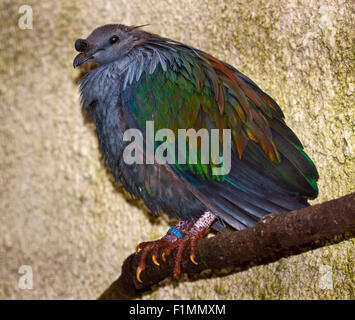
column 174, row 239
column 196, row 232
column 180, row 245
column 171, row 236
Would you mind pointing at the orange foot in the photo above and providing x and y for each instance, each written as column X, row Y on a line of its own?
column 174, row 239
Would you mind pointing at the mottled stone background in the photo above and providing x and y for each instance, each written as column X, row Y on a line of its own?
column 59, row 210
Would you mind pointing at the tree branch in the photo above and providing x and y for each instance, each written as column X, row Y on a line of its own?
column 275, row 236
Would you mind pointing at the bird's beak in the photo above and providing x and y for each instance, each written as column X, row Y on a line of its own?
column 80, row 59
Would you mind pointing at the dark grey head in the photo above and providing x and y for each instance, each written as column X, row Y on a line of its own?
column 108, row 43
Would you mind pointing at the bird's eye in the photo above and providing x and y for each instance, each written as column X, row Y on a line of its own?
column 113, row 39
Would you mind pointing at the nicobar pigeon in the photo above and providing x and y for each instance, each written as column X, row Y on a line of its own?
column 144, row 77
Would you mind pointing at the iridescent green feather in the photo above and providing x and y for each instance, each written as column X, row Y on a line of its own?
column 198, row 91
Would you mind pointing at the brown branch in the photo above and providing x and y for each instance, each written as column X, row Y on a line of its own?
column 275, row 236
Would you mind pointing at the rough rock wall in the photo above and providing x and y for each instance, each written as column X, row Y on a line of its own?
column 59, row 210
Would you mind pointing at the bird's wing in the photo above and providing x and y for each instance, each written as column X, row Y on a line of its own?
column 198, row 91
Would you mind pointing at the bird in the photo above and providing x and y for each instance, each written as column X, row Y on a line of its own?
column 142, row 77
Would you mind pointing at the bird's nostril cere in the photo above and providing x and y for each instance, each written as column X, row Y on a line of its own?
column 81, row 45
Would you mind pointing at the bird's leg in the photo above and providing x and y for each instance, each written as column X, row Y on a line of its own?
column 171, row 236
column 197, row 231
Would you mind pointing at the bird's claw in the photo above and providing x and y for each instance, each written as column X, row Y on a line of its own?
column 154, row 258
column 146, row 248
column 138, row 273
column 192, row 258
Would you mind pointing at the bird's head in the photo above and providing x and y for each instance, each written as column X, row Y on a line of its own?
column 108, row 43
